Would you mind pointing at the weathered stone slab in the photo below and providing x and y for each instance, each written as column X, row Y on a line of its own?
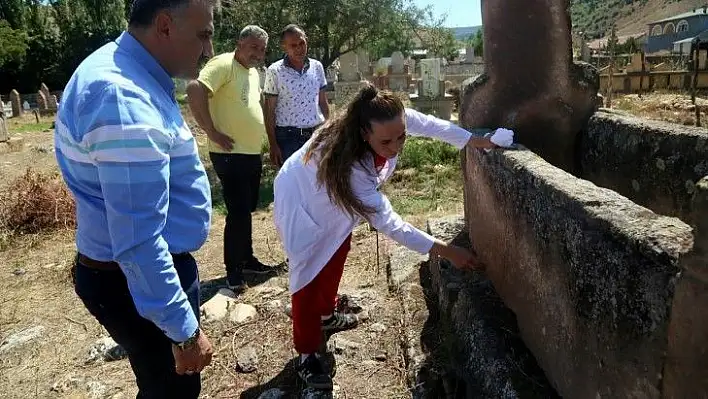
column 655, row 164
column 590, row 275
column 473, row 333
column 531, row 83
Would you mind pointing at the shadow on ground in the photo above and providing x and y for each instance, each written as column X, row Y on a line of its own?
column 289, row 383
column 209, row 288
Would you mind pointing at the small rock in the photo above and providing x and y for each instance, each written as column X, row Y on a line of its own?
column 19, row 272
column 106, row 349
column 67, row 384
column 23, row 337
column 265, row 292
column 377, row 327
column 288, row 310
column 273, row 393
column 364, row 315
column 218, row 307
column 273, row 305
column 49, row 266
column 242, row 313
column 96, row 390
column 247, row 359
column 381, row 357
column 341, row 344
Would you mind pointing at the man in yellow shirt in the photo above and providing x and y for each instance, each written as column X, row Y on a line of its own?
column 227, row 103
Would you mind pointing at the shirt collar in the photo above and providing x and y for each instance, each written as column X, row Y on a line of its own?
column 286, row 62
column 131, row 45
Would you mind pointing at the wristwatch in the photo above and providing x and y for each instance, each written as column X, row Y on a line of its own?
column 189, row 341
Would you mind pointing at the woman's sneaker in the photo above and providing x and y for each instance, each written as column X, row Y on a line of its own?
column 312, row 373
column 339, row 322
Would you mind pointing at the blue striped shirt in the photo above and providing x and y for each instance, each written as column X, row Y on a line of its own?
column 132, row 164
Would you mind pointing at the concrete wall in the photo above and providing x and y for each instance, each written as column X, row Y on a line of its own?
column 589, row 274
column 655, row 164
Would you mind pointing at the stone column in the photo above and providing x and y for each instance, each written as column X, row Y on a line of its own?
column 16, row 103
column 530, row 82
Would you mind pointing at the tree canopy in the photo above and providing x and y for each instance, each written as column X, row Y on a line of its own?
column 45, row 40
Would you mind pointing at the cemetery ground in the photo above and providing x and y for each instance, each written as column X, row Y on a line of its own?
column 38, row 302
column 54, row 358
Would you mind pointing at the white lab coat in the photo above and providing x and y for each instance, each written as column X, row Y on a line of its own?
column 312, row 228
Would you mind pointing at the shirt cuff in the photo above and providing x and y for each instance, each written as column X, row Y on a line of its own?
column 184, row 331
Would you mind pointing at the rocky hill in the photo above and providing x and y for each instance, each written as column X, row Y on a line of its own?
column 595, row 17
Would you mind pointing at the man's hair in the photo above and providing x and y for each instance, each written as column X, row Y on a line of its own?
column 291, row 29
column 253, row 31
column 143, row 12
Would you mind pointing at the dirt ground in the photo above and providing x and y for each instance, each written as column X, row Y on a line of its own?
column 36, row 291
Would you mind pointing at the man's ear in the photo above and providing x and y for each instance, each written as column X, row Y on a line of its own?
column 163, row 24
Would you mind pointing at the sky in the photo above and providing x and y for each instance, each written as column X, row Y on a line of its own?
column 459, row 12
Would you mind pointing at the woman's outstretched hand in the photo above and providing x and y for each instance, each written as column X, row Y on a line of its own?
column 499, row 138
column 461, row 258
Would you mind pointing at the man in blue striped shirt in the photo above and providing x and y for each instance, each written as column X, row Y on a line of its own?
column 143, row 200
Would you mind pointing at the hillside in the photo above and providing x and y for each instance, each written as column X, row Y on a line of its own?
column 595, row 17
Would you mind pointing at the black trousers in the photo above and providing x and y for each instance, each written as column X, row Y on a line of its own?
column 105, row 294
column 240, row 177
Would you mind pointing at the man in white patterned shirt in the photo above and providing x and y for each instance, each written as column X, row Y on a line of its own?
column 296, row 101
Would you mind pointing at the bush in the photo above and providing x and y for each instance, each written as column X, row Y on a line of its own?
column 36, row 202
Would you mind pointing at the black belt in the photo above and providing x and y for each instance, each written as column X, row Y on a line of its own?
column 110, row 266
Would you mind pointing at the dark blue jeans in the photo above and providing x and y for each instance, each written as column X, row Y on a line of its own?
column 105, row 294
column 291, row 139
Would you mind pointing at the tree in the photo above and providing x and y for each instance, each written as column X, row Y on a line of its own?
column 13, row 43
column 333, row 27
column 476, row 41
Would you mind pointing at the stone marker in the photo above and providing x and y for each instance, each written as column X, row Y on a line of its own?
column 531, row 84
column 4, row 135
column 349, row 80
column 16, row 103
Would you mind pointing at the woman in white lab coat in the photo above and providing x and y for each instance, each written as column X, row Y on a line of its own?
column 330, row 186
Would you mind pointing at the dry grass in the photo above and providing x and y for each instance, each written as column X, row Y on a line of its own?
column 663, row 106
column 36, row 202
column 36, row 290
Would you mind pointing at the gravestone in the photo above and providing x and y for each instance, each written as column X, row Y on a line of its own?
column 4, row 135
column 41, row 100
column 16, row 104
column 349, row 81
column 398, row 78
column 364, row 63
column 531, row 84
column 430, row 78
column 431, row 97
column 26, row 106
column 469, row 55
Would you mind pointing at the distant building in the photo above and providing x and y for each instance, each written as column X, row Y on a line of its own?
column 674, row 34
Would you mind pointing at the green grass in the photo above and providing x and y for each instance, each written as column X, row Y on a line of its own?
column 29, row 127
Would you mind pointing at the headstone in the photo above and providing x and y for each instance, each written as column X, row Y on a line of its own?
column 469, row 55
column 41, row 100
column 4, row 135
column 430, row 74
column 349, row 67
column 397, row 62
column 25, row 106
column 411, row 66
column 363, row 62
column 53, row 102
column 531, row 84
column 702, row 57
column 399, row 77
column 349, row 81
column 16, row 104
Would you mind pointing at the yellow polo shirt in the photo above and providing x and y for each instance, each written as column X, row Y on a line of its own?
column 234, row 103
